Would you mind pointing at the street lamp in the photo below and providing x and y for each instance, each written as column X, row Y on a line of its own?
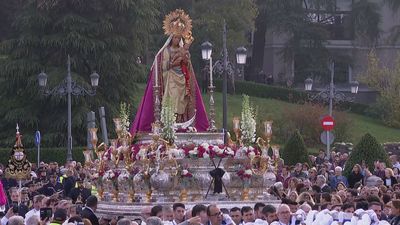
column 308, row 84
column 354, row 87
column 68, row 87
column 241, row 55
column 330, row 94
column 226, row 68
column 206, row 50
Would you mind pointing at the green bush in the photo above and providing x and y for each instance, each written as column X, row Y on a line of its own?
column 266, row 91
column 367, row 150
column 295, row 150
column 306, row 119
column 46, row 155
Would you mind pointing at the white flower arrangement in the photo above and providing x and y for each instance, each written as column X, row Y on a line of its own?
column 168, row 119
column 124, row 116
column 248, row 172
column 109, row 175
column 184, row 172
column 178, row 153
column 205, row 145
column 194, row 151
column 248, row 123
column 229, row 151
column 124, row 176
column 141, row 154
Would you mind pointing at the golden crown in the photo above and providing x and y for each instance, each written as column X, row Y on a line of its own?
column 177, row 23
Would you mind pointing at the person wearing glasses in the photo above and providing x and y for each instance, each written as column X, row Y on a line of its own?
column 284, row 215
column 216, row 217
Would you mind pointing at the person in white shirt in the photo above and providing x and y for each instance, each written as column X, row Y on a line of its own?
column 247, row 214
column 179, row 213
column 284, row 215
column 37, row 204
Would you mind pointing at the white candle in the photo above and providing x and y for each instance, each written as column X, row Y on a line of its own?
column 156, row 71
column 158, row 154
column 211, row 69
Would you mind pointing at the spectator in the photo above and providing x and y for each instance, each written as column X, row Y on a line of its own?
column 236, row 215
column 355, row 176
column 59, row 217
column 284, row 215
column 313, row 175
column 80, row 193
column 32, row 220
column 168, row 213
column 362, row 205
column 90, row 209
column 321, row 182
column 16, row 220
column 379, row 170
column 377, row 208
column 201, row 212
column 152, row 220
column 395, row 212
column 37, row 204
column 292, row 185
column 336, row 200
column 247, row 215
column 338, row 178
column 326, row 198
column 389, row 179
column 215, row 215
column 298, row 171
column 179, row 213
column 320, row 158
column 305, row 197
column 52, row 186
column 257, row 210
column 284, row 177
column 348, row 208
column 157, row 211
column 68, row 182
column 269, row 214
column 351, row 195
column 394, row 159
column 293, row 196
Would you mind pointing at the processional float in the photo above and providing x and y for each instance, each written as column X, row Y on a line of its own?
column 174, row 162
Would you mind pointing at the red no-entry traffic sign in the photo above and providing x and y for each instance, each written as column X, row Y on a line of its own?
column 328, row 123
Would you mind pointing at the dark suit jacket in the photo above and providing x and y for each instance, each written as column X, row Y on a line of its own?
column 88, row 214
column 393, row 179
column 326, row 189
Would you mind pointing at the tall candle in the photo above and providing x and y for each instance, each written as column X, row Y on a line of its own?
column 211, row 74
column 236, row 125
column 156, row 71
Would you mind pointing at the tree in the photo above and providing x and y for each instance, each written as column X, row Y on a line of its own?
column 387, row 82
column 307, row 25
column 106, row 36
column 368, row 150
column 295, row 150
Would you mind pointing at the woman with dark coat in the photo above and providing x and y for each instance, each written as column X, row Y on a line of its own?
column 355, row 176
column 390, row 179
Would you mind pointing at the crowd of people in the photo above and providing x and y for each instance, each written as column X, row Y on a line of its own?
column 315, row 194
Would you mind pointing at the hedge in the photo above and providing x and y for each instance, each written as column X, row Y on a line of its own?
column 283, row 94
column 266, row 91
column 46, row 154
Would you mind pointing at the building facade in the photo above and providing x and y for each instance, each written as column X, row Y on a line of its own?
column 342, row 42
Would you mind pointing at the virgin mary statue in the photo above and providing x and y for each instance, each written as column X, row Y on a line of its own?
column 173, row 73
